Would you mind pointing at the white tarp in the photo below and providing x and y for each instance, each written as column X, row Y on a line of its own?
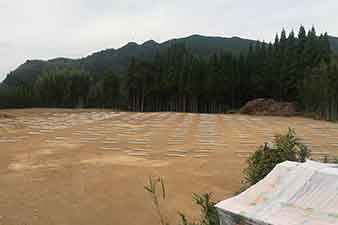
column 292, row 194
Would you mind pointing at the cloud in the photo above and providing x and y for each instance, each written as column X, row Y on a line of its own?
column 45, row 29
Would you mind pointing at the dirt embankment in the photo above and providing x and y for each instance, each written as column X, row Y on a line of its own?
column 269, row 107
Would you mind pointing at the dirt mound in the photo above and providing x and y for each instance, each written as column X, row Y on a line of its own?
column 269, row 107
column 5, row 116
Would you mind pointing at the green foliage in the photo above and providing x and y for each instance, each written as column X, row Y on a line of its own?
column 287, row 147
column 334, row 44
column 64, row 88
column 182, row 81
column 157, row 191
column 209, row 215
column 319, row 94
column 17, row 97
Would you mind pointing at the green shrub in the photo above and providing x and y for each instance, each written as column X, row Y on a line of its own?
column 265, row 158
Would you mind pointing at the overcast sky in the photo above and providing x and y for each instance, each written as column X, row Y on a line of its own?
column 43, row 29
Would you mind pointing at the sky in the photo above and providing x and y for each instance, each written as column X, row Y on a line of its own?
column 44, row 29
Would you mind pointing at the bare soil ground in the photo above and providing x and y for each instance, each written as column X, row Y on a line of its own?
column 88, row 167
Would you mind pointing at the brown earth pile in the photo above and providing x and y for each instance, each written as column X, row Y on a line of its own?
column 5, row 116
column 269, row 107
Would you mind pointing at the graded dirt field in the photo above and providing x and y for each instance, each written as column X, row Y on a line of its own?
column 89, row 167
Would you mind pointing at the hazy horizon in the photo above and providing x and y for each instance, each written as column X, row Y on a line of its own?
column 46, row 29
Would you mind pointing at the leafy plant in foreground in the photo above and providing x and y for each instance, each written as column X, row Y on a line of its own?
column 151, row 188
column 209, row 215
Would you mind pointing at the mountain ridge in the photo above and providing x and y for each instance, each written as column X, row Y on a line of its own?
column 117, row 60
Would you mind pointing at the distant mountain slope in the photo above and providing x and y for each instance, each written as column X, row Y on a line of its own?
column 28, row 72
column 334, row 44
column 117, row 59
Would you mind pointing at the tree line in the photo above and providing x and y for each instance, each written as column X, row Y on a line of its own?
column 295, row 67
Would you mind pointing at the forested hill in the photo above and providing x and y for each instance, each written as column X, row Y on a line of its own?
column 117, row 60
